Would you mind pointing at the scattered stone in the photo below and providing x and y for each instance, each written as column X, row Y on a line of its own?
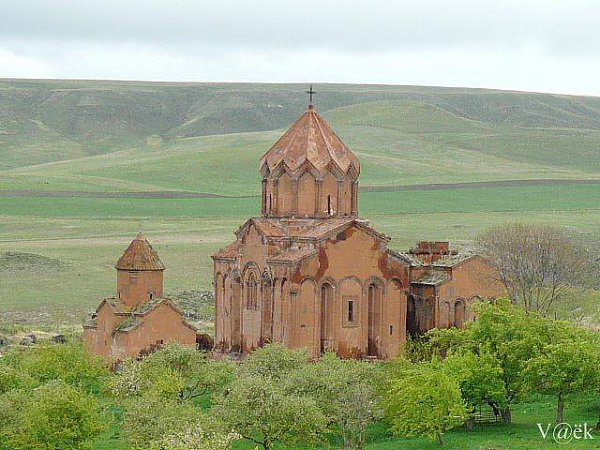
column 59, row 339
column 16, row 262
column 197, row 306
column 30, row 339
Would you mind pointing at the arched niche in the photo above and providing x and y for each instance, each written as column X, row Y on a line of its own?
column 375, row 293
column 459, row 313
column 306, row 194
column 284, row 195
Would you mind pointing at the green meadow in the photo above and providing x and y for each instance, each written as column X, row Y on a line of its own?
column 142, row 140
column 87, row 235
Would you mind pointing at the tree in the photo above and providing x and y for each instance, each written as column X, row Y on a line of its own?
column 438, row 342
column 479, row 376
column 261, row 410
column 512, row 337
column 175, row 371
column 562, row 369
column 54, row 415
column 70, row 363
column 273, row 361
column 538, row 265
column 344, row 390
column 422, row 400
column 196, row 438
column 153, row 422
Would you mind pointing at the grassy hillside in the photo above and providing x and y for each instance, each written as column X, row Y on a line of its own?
column 399, row 142
column 104, row 139
column 44, row 121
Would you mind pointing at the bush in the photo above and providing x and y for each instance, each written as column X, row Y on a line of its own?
column 422, row 400
column 52, row 416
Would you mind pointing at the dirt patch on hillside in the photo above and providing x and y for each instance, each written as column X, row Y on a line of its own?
column 17, row 262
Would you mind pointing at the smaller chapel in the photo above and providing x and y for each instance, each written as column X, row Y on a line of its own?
column 138, row 319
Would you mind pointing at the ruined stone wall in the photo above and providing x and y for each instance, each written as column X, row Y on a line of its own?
column 99, row 340
column 161, row 326
column 350, row 276
column 472, row 280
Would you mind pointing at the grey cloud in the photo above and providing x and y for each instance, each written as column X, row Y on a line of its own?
column 350, row 25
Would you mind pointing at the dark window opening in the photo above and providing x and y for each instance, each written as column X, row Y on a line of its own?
column 329, row 208
column 350, row 310
column 391, row 330
column 151, row 295
column 251, row 293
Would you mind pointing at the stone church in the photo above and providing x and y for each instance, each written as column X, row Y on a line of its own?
column 138, row 319
column 310, row 273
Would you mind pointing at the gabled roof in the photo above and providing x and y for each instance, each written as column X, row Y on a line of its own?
column 453, row 260
column 408, row 259
column 310, row 140
column 136, row 317
column 229, row 252
column 305, row 229
column 140, row 256
column 292, row 256
column 433, row 279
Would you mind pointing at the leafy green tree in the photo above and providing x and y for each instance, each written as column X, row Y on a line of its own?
column 443, row 341
column 70, row 363
column 273, row 361
column 512, row 336
column 137, row 379
column 176, row 371
column 564, row 368
column 261, row 410
column 153, row 422
column 344, row 390
column 480, row 379
column 53, row 416
column 422, row 400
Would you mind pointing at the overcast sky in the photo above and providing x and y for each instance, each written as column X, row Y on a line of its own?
column 537, row 45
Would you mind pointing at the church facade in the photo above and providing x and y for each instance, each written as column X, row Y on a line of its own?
column 311, row 274
column 138, row 319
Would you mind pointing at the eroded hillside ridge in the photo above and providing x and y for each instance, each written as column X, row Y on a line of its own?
column 43, row 121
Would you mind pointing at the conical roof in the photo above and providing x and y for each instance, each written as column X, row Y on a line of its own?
column 310, row 139
column 140, row 256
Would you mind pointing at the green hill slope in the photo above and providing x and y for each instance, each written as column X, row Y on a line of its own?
column 44, row 121
column 399, row 142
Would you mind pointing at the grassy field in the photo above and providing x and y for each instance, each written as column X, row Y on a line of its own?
column 80, row 239
column 100, row 138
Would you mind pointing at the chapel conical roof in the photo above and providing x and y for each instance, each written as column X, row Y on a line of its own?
column 310, row 139
column 140, row 256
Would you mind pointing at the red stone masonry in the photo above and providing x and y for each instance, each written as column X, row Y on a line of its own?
column 138, row 319
column 310, row 274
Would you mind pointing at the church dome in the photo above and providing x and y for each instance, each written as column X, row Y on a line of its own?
column 310, row 140
column 140, row 256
